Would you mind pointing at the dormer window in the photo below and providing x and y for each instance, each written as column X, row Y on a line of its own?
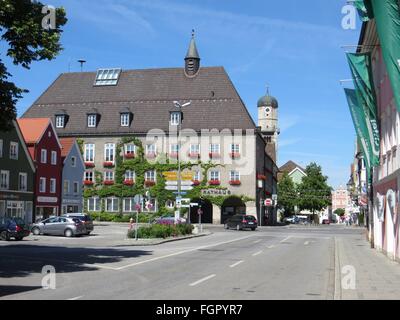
column 175, row 118
column 60, row 121
column 107, row 77
column 125, row 119
column 92, row 120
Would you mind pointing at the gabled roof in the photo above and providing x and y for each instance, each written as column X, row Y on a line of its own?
column 149, row 94
column 290, row 166
column 66, row 144
column 33, row 129
column 23, row 145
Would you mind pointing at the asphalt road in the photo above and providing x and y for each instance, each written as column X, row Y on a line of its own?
column 270, row 263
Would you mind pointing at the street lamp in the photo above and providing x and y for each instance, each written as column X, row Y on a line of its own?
column 180, row 107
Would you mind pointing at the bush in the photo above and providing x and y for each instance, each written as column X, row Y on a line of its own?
column 162, row 231
column 114, row 217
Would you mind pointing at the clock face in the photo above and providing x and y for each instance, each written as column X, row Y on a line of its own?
column 267, row 111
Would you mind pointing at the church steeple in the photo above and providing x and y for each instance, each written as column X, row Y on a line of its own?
column 192, row 59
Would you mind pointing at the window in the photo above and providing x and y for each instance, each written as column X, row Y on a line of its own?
column 214, row 175
column 174, row 148
column 76, row 187
column 150, row 175
column 54, row 157
column 130, row 149
column 235, row 148
column 130, row 175
column 107, row 77
column 53, row 185
column 92, row 120
column 131, row 204
column 66, row 187
column 1, row 148
column 4, row 179
column 15, row 209
column 88, row 176
column 93, row 204
column 22, row 181
column 197, row 176
column 195, row 149
column 214, row 148
column 89, row 152
column 109, row 152
column 73, row 162
column 234, row 176
column 14, row 150
column 43, row 156
column 60, row 121
column 150, row 148
column 42, row 185
column 109, row 176
column 125, row 117
column 112, row 204
column 175, row 118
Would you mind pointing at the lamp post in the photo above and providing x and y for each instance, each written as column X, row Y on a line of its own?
column 180, row 107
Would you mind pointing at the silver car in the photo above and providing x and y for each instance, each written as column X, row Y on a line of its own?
column 59, row 226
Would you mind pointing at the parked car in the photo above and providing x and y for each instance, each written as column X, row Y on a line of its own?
column 59, row 226
column 13, row 228
column 240, row 222
column 85, row 218
column 291, row 220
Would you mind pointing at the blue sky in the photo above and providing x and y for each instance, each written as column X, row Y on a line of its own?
column 293, row 46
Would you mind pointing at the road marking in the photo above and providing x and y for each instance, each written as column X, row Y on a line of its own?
column 285, row 239
column 202, row 280
column 257, row 253
column 76, row 298
column 236, row 264
column 306, row 243
column 270, row 247
column 257, row 241
column 179, row 253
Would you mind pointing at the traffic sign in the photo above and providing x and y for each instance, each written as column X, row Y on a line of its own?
column 268, row 202
column 193, row 204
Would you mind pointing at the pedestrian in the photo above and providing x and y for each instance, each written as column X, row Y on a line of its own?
column 130, row 223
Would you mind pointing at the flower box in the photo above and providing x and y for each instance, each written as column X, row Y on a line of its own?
column 108, row 182
column 214, row 182
column 235, row 182
column 88, row 183
column 129, row 182
column 214, row 155
column 149, row 183
column 194, row 155
column 108, row 164
column 89, row 164
column 234, row 155
column 261, row 177
column 129, row 155
column 151, row 155
column 173, row 155
column 196, row 182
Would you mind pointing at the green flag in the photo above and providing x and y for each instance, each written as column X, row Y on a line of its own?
column 387, row 18
column 364, row 9
column 360, row 66
column 360, row 125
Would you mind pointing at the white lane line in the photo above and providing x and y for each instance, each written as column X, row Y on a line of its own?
column 76, row 298
column 270, row 247
column 202, row 280
column 257, row 241
column 257, row 253
column 306, row 243
column 236, row 264
column 286, row 239
column 179, row 253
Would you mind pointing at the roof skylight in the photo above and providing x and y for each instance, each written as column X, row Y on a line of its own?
column 107, row 77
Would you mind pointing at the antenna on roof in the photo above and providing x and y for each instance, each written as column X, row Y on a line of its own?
column 267, row 89
column 81, row 61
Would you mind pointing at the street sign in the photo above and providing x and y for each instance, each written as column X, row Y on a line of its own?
column 193, row 204
column 171, row 188
column 182, row 192
column 268, row 202
column 175, row 183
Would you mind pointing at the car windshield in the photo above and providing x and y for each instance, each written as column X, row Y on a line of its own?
column 250, row 218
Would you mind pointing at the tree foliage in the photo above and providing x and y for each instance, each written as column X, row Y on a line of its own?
column 287, row 199
column 314, row 192
column 340, row 212
column 26, row 41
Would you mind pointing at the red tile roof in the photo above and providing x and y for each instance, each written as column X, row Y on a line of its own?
column 66, row 144
column 32, row 129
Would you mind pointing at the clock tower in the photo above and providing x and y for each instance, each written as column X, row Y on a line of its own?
column 268, row 122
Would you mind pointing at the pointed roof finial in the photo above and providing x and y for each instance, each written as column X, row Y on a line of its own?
column 192, row 51
column 193, row 33
column 267, row 86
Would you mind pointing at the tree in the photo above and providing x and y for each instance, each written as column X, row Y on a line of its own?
column 314, row 192
column 21, row 27
column 287, row 195
column 340, row 212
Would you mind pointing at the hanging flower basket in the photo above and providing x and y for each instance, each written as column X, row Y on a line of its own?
column 235, row 182
column 89, row 164
column 108, row 164
column 109, row 182
column 129, row 182
column 88, row 183
column 214, row 182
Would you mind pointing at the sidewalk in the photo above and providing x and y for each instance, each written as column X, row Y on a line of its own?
column 377, row 277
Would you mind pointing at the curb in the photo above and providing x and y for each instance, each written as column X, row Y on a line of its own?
column 338, row 286
column 157, row 242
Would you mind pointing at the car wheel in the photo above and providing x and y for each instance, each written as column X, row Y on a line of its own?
column 68, row 233
column 88, row 233
column 36, row 231
column 238, row 227
column 5, row 236
column 253, row 229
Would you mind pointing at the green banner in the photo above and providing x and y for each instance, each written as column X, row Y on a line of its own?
column 360, row 66
column 364, row 9
column 359, row 121
column 387, row 18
